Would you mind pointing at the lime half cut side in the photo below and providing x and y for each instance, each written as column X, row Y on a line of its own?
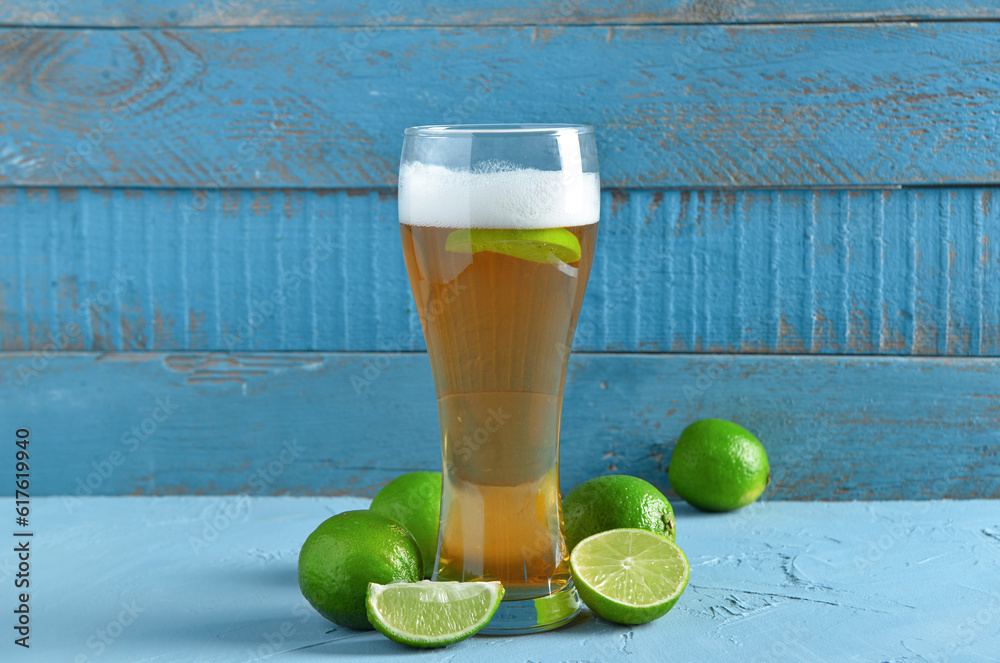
column 432, row 614
column 629, row 576
column 546, row 245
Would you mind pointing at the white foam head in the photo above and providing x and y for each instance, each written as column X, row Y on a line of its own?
column 497, row 197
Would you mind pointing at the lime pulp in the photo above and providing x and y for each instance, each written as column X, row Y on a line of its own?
column 544, row 245
column 629, row 576
column 432, row 614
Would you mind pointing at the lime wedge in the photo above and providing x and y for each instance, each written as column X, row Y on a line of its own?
column 629, row 576
column 537, row 245
column 432, row 614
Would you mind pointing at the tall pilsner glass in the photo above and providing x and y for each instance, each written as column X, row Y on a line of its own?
column 498, row 225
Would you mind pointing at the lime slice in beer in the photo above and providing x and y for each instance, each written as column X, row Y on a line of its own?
column 432, row 614
column 546, row 245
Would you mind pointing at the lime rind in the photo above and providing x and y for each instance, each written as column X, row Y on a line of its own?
column 629, row 576
column 719, row 466
column 432, row 614
column 614, row 502
column 414, row 500
column 346, row 552
column 543, row 245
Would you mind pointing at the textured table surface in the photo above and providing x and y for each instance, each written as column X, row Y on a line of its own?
column 214, row 579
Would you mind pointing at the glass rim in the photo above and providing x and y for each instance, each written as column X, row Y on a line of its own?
column 457, row 130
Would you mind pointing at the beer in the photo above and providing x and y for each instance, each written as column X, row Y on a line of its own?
column 498, row 277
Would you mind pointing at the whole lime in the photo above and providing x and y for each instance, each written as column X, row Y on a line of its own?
column 348, row 551
column 414, row 499
column 718, row 466
column 614, row 502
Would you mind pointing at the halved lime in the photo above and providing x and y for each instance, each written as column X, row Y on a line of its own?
column 432, row 614
column 537, row 245
column 629, row 576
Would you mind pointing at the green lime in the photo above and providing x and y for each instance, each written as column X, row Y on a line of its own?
column 348, row 551
column 629, row 576
column 536, row 245
column 432, row 614
column 614, row 502
column 718, row 466
column 414, row 499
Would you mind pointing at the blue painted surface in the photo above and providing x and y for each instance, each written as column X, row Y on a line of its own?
column 214, row 580
column 365, row 13
column 875, row 272
column 681, row 105
column 837, row 428
column 687, row 107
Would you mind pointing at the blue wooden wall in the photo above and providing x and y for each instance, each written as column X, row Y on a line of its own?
column 679, row 106
column 830, row 272
column 799, row 232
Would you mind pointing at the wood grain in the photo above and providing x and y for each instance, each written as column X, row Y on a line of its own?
column 215, row 579
column 309, row 13
column 836, row 428
column 676, row 107
column 829, row 272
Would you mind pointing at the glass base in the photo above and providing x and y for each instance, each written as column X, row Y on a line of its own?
column 518, row 617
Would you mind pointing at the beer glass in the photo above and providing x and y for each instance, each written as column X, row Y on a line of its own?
column 498, row 225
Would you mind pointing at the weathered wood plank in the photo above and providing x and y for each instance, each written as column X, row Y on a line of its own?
column 365, row 13
column 700, row 106
column 213, row 580
column 841, row 272
column 835, row 428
